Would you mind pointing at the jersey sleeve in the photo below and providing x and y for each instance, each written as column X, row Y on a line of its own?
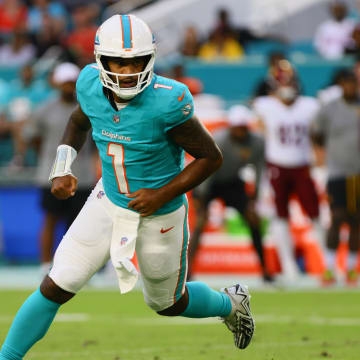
column 181, row 108
column 260, row 107
column 83, row 84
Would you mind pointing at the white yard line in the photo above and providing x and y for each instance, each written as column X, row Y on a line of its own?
column 146, row 321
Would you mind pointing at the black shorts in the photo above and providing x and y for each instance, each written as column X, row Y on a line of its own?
column 345, row 193
column 231, row 192
column 68, row 208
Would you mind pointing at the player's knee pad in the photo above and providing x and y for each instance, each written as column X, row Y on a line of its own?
column 68, row 278
column 159, row 294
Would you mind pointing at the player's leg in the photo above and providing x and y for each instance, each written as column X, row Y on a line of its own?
column 163, row 264
column 84, row 249
column 234, row 195
column 309, row 200
column 201, row 200
column 201, row 219
column 280, row 181
column 53, row 211
column 336, row 189
column 47, row 241
column 354, row 245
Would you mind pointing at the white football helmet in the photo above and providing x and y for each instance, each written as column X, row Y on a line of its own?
column 125, row 36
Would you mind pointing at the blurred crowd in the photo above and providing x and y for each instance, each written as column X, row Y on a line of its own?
column 61, row 33
column 334, row 38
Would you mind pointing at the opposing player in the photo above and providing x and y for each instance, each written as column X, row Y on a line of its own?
column 141, row 123
column 286, row 117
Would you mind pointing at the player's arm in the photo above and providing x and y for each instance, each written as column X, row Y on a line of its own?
column 64, row 183
column 76, row 129
column 195, row 140
column 318, row 137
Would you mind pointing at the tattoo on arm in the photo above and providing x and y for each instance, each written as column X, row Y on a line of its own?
column 76, row 129
column 193, row 137
column 197, row 141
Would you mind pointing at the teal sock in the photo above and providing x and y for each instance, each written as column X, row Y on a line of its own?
column 29, row 326
column 205, row 302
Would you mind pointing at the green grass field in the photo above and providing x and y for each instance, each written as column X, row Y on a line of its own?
column 98, row 325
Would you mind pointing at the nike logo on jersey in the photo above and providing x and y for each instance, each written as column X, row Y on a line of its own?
column 181, row 97
column 163, row 231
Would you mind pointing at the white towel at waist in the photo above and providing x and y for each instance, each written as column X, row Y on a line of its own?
column 123, row 241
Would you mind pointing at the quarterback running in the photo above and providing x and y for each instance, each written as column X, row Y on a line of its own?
column 142, row 124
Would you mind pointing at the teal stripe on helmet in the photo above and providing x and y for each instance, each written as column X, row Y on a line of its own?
column 126, row 28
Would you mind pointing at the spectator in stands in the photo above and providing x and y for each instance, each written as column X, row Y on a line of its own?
column 47, row 23
column 21, row 98
column 226, row 28
column 221, row 47
column 337, row 129
column 191, row 43
column 334, row 35
column 47, row 124
column 13, row 15
column 223, row 25
column 46, row 8
column 354, row 47
column 80, row 41
column 239, row 148
column 19, row 51
column 285, row 118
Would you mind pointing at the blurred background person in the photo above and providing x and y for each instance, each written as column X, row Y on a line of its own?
column 191, row 42
column 45, row 129
column 337, row 130
column 18, row 51
column 285, row 118
column 334, row 35
column 221, row 46
column 265, row 87
column 222, row 43
column 47, row 24
column 13, row 14
column 80, row 41
column 20, row 99
column 240, row 148
column 42, row 8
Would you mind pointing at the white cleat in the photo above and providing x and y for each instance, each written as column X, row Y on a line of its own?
column 240, row 321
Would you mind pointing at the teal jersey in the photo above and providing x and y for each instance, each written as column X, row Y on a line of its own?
column 134, row 148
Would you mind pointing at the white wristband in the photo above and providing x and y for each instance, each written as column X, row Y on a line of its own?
column 64, row 158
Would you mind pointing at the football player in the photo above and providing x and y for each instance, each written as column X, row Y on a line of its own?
column 285, row 118
column 141, row 124
column 336, row 129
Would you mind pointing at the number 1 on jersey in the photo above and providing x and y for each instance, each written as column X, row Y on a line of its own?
column 118, row 155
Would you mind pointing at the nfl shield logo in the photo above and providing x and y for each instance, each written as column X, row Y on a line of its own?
column 100, row 194
column 123, row 241
column 116, row 118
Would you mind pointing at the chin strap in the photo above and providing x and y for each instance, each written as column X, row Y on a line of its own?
column 64, row 158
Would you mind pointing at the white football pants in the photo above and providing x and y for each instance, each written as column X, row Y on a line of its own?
column 161, row 249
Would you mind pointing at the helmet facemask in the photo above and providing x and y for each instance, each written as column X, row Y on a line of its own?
column 111, row 80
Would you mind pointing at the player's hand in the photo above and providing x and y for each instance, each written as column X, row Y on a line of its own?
column 64, row 187
column 146, row 201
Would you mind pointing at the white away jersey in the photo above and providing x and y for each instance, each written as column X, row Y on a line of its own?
column 287, row 141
